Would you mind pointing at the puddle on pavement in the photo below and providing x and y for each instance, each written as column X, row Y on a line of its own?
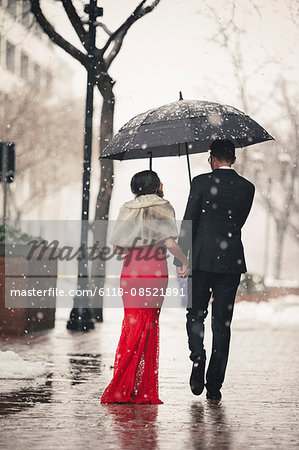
column 17, row 401
column 84, row 365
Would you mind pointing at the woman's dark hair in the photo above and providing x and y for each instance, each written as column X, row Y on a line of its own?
column 145, row 182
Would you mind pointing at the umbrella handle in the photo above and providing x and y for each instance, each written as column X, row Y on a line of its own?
column 151, row 157
column 188, row 162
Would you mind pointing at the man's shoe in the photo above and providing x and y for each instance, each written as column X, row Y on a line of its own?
column 216, row 395
column 197, row 377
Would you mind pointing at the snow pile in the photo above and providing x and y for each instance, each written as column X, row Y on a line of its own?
column 13, row 366
column 277, row 311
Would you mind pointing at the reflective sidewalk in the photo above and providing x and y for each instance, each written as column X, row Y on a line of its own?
column 62, row 410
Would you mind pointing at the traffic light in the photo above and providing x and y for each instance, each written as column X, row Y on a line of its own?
column 7, row 161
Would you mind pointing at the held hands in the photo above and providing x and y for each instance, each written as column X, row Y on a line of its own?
column 184, row 270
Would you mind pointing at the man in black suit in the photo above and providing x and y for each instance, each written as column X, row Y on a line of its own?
column 218, row 205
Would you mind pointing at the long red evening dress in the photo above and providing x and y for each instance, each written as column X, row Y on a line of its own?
column 135, row 377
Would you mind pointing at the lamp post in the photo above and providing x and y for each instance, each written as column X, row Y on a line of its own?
column 80, row 317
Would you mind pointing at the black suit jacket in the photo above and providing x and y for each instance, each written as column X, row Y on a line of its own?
column 218, row 205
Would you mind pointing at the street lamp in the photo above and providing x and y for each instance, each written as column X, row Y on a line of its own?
column 80, row 317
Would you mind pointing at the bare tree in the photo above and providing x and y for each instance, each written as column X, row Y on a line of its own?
column 283, row 171
column 281, row 200
column 103, row 58
column 48, row 146
column 230, row 36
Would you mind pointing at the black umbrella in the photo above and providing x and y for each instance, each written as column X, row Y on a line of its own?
column 182, row 128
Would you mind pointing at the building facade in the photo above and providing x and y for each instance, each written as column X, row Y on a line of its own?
column 27, row 55
column 34, row 77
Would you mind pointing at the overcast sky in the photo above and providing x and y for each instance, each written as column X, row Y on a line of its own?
column 170, row 50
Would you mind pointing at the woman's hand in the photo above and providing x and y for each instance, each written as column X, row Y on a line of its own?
column 183, row 271
column 176, row 250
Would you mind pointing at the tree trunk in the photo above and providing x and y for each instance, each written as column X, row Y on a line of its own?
column 280, row 235
column 100, row 224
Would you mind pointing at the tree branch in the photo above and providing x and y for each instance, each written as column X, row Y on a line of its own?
column 105, row 28
column 275, row 214
column 117, row 37
column 54, row 36
column 294, row 230
column 76, row 22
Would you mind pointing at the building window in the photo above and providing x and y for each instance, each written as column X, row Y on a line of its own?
column 12, row 7
column 36, row 77
column 24, row 66
column 10, row 57
column 26, row 15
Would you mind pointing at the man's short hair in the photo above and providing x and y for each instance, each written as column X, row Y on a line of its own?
column 223, row 150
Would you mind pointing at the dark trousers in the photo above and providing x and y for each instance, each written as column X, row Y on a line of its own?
column 223, row 288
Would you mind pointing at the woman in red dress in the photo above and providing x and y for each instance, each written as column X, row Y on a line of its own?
column 144, row 279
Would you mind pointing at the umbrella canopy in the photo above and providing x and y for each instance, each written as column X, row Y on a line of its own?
column 183, row 127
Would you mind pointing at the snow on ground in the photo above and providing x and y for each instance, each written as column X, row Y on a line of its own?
column 12, row 366
column 278, row 311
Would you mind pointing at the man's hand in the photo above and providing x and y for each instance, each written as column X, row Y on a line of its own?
column 183, row 271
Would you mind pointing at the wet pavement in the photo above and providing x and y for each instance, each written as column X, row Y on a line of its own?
column 62, row 409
